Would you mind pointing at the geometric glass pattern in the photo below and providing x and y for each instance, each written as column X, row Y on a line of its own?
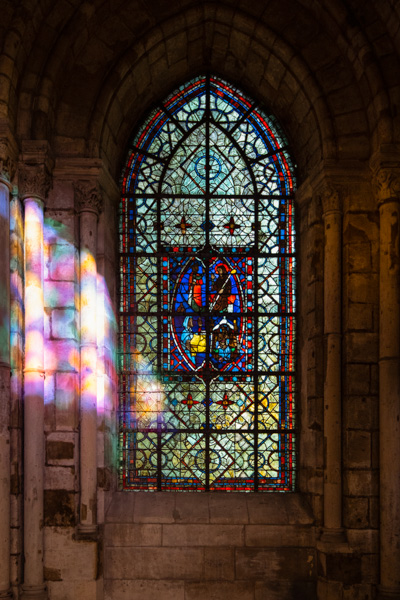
column 207, row 297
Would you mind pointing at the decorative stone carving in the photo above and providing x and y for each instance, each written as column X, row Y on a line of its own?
column 387, row 184
column 330, row 198
column 88, row 197
column 34, row 181
column 7, row 165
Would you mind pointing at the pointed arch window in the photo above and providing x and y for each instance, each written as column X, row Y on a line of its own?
column 207, row 297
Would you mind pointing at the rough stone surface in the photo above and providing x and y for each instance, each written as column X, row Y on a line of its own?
column 59, row 507
column 143, row 589
column 203, row 549
column 153, row 563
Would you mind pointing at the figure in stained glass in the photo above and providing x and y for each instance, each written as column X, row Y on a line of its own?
column 225, row 342
column 223, row 299
column 193, row 339
column 195, row 299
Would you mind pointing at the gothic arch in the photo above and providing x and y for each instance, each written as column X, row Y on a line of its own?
column 229, row 40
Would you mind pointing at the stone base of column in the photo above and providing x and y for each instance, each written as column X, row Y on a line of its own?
column 34, row 592
column 332, row 536
column 385, row 593
column 6, row 593
column 87, row 532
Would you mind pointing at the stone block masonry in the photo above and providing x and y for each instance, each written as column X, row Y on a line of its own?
column 194, row 546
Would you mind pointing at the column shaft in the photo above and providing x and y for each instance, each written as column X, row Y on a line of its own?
column 4, row 391
column 17, row 366
column 389, row 401
column 33, row 400
column 332, row 385
column 88, row 406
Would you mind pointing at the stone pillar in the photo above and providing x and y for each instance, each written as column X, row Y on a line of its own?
column 333, row 356
column 5, row 373
column 16, row 383
column 388, row 185
column 34, row 185
column 88, row 202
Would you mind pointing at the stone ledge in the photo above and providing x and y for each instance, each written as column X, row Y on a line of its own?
column 147, row 589
column 181, row 507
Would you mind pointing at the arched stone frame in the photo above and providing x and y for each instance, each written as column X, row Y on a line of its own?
column 319, row 124
column 303, row 508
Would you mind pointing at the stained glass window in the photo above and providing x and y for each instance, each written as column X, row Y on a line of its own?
column 207, row 297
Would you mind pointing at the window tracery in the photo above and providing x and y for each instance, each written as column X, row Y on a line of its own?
column 207, row 297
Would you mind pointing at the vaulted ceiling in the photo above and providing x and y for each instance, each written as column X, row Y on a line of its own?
column 82, row 74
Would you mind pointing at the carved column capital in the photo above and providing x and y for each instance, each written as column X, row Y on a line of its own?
column 88, row 197
column 387, row 185
column 34, row 181
column 7, row 164
column 331, row 198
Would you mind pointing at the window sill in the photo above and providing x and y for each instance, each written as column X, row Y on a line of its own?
column 229, row 508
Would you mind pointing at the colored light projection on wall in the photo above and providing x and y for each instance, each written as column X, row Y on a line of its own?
column 207, row 298
column 65, row 368
column 17, row 300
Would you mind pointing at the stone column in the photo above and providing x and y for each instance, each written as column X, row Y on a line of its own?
column 5, row 373
column 333, row 356
column 34, row 185
column 16, row 381
column 388, row 185
column 88, row 202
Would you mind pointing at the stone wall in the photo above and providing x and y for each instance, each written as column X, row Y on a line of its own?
column 360, row 399
column 75, row 575
column 202, row 546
